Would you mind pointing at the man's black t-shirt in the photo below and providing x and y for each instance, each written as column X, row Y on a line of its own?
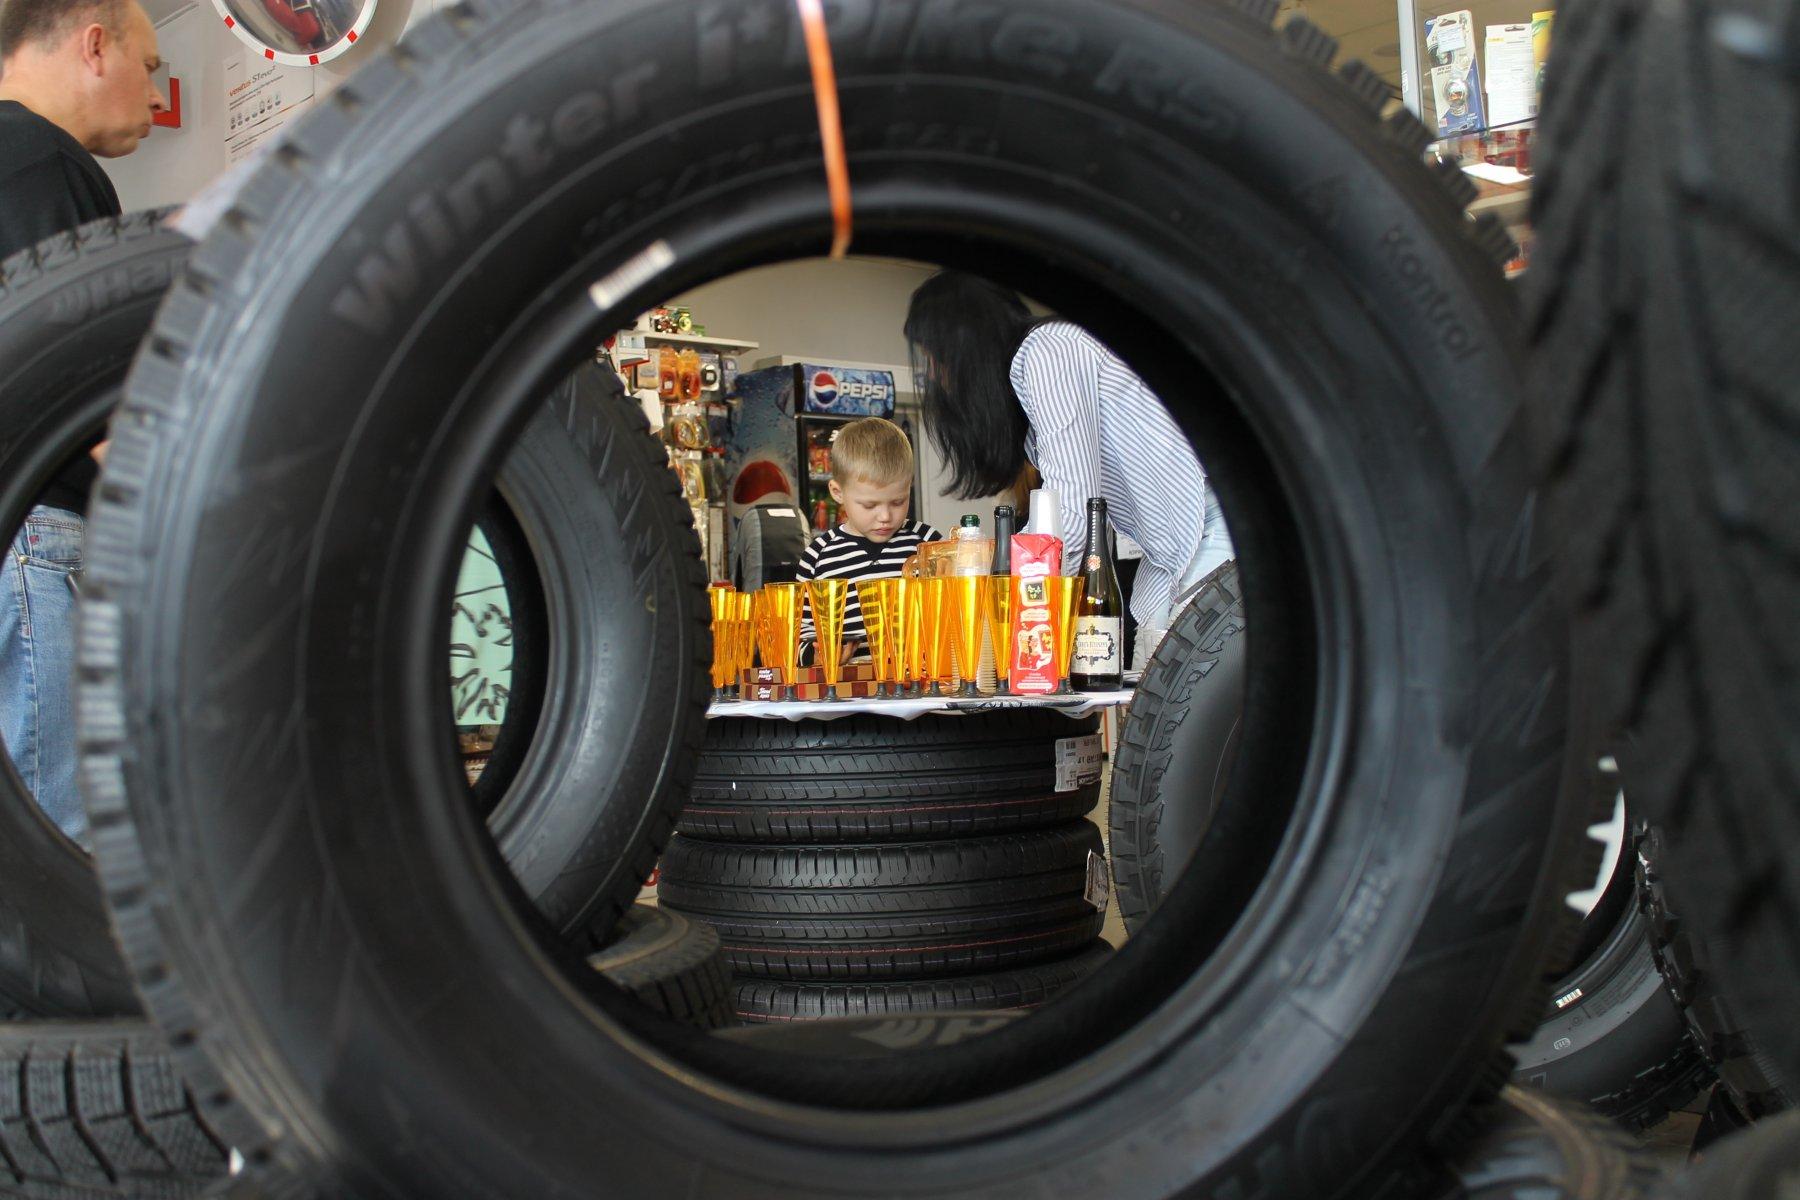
column 49, row 183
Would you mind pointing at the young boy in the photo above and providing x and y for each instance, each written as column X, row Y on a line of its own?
column 871, row 480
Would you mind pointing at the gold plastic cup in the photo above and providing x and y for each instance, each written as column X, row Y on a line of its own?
column 792, row 609
column 918, row 653
column 938, row 630
column 744, row 614
column 718, row 597
column 871, row 600
column 903, row 629
column 966, row 594
column 1065, row 591
column 768, row 627
column 997, row 602
column 783, row 651
column 759, row 619
column 828, row 597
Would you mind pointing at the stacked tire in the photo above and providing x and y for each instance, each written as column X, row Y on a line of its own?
column 868, row 866
column 92, row 1103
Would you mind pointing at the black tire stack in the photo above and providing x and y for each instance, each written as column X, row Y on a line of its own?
column 867, row 866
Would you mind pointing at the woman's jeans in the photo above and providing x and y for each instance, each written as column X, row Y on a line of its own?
column 1214, row 552
column 37, row 662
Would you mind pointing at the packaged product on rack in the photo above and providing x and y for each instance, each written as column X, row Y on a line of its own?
column 1035, row 629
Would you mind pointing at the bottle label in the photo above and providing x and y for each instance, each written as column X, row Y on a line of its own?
column 1098, row 648
column 1093, row 562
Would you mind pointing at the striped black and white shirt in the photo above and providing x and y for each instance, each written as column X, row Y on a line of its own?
column 839, row 554
column 1098, row 430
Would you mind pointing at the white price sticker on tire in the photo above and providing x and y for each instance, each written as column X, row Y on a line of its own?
column 1077, row 762
column 1099, row 881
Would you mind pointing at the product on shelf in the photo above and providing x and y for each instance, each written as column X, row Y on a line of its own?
column 1098, row 664
column 1036, row 559
column 688, row 374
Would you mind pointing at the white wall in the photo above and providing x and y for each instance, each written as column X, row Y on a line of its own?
column 173, row 164
column 849, row 310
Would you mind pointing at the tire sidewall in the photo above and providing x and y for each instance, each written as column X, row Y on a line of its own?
column 1181, row 726
column 570, row 484
column 72, row 314
column 1447, row 714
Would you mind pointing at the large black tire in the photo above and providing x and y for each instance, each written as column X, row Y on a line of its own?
column 1668, row 249
column 1694, row 975
column 1610, row 1037
column 868, row 778
column 91, row 1110
column 1195, row 188
column 576, row 485
column 1534, row 1148
column 1175, row 751
column 1017, row 989
column 72, row 312
column 908, row 910
column 670, row 963
column 1758, row 1163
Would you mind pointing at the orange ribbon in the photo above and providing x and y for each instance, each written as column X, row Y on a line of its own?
column 831, row 122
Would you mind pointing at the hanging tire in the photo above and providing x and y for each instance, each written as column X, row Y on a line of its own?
column 1252, row 231
column 1694, row 976
column 96, row 1109
column 1018, row 989
column 1184, row 723
column 908, row 910
column 1672, row 420
column 670, row 963
column 861, row 779
column 1532, row 1147
column 73, row 312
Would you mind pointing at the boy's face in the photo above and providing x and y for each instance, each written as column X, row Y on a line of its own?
column 873, row 510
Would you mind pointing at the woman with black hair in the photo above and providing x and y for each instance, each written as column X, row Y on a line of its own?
column 1000, row 387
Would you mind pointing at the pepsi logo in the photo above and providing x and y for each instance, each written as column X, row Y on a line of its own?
column 827, row 391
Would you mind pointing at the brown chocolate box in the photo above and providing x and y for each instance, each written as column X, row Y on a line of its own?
column 758, row 676
column 857, row 690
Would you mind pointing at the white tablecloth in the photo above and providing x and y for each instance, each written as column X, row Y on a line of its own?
column 1079, row 704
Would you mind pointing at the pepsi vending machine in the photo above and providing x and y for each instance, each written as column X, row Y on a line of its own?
column 832, row 397
column 772, row 462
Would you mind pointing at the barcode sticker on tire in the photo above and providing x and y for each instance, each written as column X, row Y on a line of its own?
column 1077, row 762
column 1099, row 881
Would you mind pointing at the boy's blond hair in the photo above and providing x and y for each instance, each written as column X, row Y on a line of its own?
column 873, row 451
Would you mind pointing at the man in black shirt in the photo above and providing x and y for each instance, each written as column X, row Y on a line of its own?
column 75, row 81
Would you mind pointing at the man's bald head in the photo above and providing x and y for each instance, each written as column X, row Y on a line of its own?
column 86, row 65
column 46, row 22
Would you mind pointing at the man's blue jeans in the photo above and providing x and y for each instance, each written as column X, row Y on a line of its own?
column 37, row 661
